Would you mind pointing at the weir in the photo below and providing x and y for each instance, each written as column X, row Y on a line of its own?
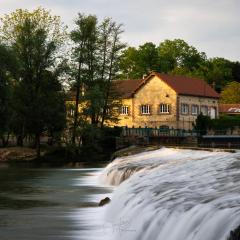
column 175, row 194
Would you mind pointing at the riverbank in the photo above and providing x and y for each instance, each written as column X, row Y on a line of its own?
column 9, row 154
column 56, row 156
column 26, row 154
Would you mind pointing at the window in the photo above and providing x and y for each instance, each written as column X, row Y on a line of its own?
column 213, row 112
column 204, row 110
column 145, row 109
column 124, row 110
column 184, row 108
column 195, row 109
column 164, row 108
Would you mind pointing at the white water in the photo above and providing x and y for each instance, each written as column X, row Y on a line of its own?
column 174, row 194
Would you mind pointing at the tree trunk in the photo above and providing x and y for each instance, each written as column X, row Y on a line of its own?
column 37, row 140
column 20, row 140
column 77, row 100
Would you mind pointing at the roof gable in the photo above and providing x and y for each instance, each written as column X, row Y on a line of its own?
column 189, row 86
column 180, row 84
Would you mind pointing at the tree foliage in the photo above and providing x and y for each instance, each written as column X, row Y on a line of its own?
column 11, row 25
column 95, row 58
column 8, row 71
column 135, row 63
column 179, row 58
column 231, row 93
column 35, row 38
column 202, row 124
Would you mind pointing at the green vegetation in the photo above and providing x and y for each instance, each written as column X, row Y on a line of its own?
column 219, row 125
column 37, row 100
column 41, row 62
column 231, row 93
column 179, row 58
column 95, row 54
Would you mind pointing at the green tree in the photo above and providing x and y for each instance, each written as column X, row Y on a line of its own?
column 236, row 71
column 128, row 64
column 178, row 54
column 202, row 124
column 231, row 93
column 111, row 48
column 8, row 72
column 135, row 63
column 83, row 57
column 51, row 24
column 219, row 72
column 35, row 38
column 95, row 58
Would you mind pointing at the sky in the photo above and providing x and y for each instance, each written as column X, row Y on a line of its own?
column 212, row 26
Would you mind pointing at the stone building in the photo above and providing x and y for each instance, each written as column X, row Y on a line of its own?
column 161, row 100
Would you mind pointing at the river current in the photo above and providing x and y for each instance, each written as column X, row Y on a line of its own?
column 173, row 194
column 166, row 194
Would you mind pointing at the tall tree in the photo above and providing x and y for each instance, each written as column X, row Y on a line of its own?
column 96, row 55
column 135, row 63
column 84, row 39
column 8, row 72
column 178, row 54
column 36, row 37
column 129, row 66
column 219, row 72
column 111, row 47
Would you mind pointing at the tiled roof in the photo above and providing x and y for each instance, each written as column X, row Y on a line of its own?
column 182, row 85
column 126, row 88
column 189, row 86
column 229, row 108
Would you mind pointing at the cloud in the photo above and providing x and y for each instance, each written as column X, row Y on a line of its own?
column 211, row 26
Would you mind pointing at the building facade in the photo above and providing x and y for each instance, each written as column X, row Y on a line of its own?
column 161, row 100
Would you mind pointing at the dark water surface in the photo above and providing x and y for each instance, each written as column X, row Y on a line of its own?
column 50, row 203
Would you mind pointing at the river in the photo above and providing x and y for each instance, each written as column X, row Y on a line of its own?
column 166, row 194
column 51, row 203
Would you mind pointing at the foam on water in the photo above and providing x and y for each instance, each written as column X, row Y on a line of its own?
column 172, row 194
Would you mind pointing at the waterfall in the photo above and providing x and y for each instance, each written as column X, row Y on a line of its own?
column 173, row 194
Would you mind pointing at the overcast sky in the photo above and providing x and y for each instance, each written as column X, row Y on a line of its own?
column 212, row 26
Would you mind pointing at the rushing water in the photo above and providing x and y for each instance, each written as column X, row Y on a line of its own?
column 167, row 194
column 51, row 204
column 171, row 194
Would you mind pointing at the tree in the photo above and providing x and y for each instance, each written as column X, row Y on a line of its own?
column 8, row 71
column 112, row 47
column 35, row 38
column 84, row 39
column 219, row 72
column 128, row 64
column 231, row 93
column 178, row 54
column 135, row 63
column 236, row 71
column 148, row 59
column 51, row 24
column 95, row 60
column 202, row 124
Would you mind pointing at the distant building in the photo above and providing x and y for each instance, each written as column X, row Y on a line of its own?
column 229, row 109
column 165, row 100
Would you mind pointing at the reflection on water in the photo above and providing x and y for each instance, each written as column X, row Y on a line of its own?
column 43, row 204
